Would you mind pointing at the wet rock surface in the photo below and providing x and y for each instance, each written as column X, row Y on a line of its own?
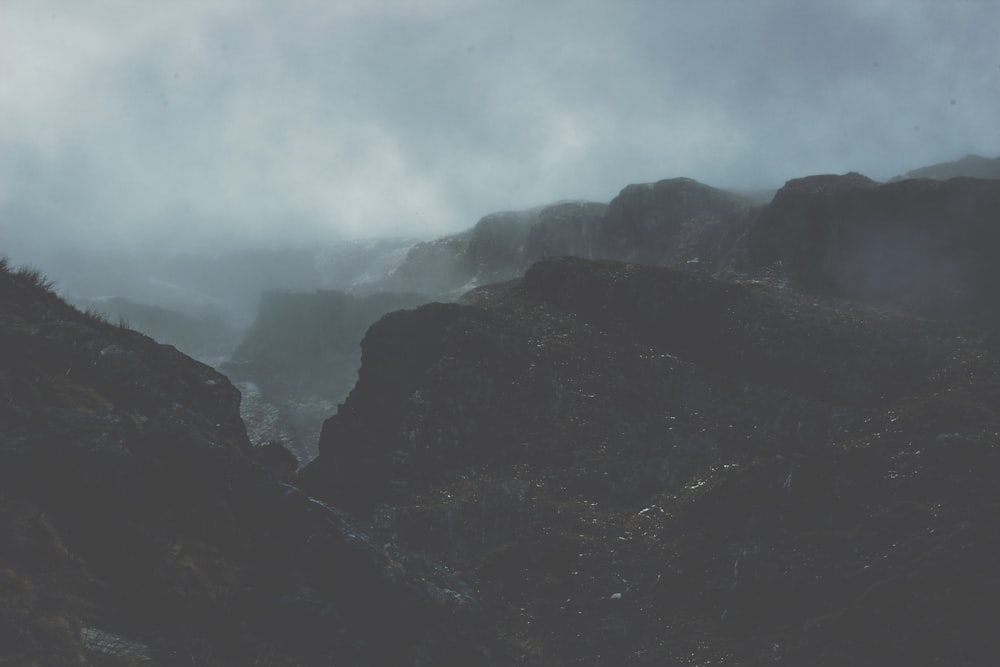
column 633, row 465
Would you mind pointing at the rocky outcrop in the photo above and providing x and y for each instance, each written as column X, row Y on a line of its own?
column 925, row 245
column 643, row 466
column 138, row 524
column 493, row 250
column 679, row 223
column 569, row 228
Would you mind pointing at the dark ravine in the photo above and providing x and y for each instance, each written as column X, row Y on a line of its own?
column 300, row 359
column 140, row 527
column 643, row 467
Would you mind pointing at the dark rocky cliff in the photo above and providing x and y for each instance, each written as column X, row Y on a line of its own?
column 676, row 222
column 679, row 223
column 138, row 526
column 929, row 246
column 638, row 466
column 491, row 251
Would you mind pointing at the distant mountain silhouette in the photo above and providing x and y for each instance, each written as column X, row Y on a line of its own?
column 974, row 166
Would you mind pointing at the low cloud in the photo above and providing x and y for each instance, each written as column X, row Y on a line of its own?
column 242, row 123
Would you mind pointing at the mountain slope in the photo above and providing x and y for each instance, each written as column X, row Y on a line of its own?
column 638, row 466
column 929, row 246
column 140, row 527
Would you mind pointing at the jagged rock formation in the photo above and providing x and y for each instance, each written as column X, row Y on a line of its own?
column 929, row 246
column 642, row 467
column 972, row 166
column 679, row 223
column 138, row 525
column 569, row 228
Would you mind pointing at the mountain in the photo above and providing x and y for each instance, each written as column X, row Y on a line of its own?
column 923, row 245
column 928, row 246
column 679, row 223
column 491, row 251
column 138, row 525
column 676, row 222
column 640, row 466
column 770, row 434
column 973, row 166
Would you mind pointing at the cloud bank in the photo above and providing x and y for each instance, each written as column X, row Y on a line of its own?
column 233, row 123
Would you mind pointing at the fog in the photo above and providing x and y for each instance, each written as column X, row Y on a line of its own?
column 232, row 125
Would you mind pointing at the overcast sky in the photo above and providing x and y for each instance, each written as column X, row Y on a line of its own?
column 239, row 122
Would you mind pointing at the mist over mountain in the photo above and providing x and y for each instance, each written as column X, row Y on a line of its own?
column 725, row 430
column 499, row 334
column 237, row 126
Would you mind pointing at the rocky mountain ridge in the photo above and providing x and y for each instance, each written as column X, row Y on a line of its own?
column 675, row 222
column 640, row 466
column 927, row 246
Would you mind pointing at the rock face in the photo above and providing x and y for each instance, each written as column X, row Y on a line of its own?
column 679, row 223
column 570, row 228
column 493, row 250
column 138, row 525
column 643, row 467
column 925, row 245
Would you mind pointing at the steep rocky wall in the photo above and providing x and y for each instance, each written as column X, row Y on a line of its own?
column 679, row 223
column 929, row 246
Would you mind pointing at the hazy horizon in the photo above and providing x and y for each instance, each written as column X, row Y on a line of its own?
column 235, row 124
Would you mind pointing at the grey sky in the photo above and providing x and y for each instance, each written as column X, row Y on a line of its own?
column 235, row 122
